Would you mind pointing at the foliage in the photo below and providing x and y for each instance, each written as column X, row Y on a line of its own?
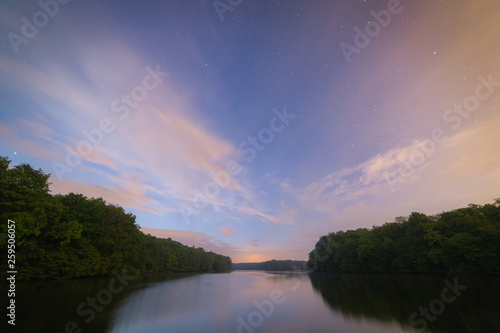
column 68, row 236
column 273, row 265
column 249, row 266
column 285, row 265
column 461, row 241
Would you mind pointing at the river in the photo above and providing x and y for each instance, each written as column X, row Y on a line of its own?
column 255, row 301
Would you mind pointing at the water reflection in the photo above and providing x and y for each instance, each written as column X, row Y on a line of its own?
column 251, row 302
column 48, row 306
column 389, row 298
column 243, row 302
column 175, row 306
column 52, row 305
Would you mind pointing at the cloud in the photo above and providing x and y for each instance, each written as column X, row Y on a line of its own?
column 333, row 189
column 196, row 239
column 268, row 217
column 237, row 253
column 28, row 137
column 424, row 165
column 226, row 230
column 131, row 195
column 265, row 255
column 162, row 138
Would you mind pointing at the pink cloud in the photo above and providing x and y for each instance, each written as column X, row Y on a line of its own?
column 131, row 196
column 226, row 230
column 237, row 254
column 196, row 239
column 23, row 145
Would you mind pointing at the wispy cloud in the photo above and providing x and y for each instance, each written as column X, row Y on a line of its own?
column 131, row 195
column 368, row 181
column 162, row 138
column 268, row 217
column 196, row 239
column 226, row 230
column 17, row 136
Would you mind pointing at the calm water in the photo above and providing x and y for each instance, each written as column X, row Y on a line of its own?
column 245, row 301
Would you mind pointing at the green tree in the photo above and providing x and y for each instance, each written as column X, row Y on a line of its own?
column 464, row 240
column 67, row 236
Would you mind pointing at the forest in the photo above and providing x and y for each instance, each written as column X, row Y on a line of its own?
column 69, row 236
column 273, row 265
column 461, row 241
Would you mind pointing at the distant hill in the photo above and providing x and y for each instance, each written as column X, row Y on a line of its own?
column 272, row 265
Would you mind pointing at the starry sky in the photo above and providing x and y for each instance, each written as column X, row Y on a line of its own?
column 251, row 128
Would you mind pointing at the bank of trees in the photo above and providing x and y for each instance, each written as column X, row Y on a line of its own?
column 461, row 241
column 285, row 265
column 273, row 265
column 68, row 236
column 249, row 266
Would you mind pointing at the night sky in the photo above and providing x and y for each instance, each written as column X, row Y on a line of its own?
column 252, row 129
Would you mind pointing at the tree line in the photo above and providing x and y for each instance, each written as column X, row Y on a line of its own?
column 273, row 265
column 69, row 236
column 461, row 241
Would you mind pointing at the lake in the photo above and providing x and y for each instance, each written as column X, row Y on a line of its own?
column 255, row 301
